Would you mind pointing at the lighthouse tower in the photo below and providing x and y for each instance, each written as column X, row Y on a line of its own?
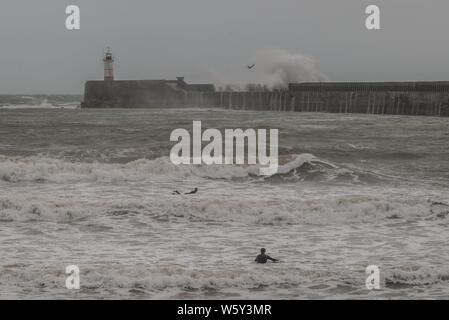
column 108, row 60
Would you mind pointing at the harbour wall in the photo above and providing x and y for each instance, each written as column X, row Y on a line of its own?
column 397, row 98
column 146, row 94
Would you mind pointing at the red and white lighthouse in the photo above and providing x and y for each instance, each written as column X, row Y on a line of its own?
column 108, row 60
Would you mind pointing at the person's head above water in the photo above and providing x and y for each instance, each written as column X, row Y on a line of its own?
column 262, row 251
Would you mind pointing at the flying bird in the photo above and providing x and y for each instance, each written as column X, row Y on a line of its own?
column 250, row 67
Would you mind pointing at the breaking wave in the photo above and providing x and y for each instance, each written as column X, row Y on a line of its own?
column 282, row 210
column 223, row 203
column 177, row 282
column 40, row 169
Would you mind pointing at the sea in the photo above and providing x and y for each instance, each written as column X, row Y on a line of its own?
column 94, row 188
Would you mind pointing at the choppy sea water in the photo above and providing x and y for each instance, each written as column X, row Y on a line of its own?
column 94, row 188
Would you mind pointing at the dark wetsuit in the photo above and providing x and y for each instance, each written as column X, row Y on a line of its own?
column 262, row 258
column 191, row 192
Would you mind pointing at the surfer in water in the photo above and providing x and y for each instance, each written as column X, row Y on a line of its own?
column 191, row 192
column 262, row 257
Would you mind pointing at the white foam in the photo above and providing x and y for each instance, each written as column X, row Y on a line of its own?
column 43, row 105
column 16, row 169
column 272, row 206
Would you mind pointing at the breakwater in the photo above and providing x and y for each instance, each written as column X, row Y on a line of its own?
column 406, row 98
column 147, row 94
column 397, row 98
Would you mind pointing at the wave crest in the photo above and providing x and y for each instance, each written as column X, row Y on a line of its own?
column 40, row 169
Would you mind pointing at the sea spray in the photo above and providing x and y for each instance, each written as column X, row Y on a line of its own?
column 281, row 68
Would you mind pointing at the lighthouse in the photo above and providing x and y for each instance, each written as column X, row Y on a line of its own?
column 108, row 60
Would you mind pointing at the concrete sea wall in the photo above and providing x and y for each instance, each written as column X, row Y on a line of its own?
column 143, row 94
column 398, row 98
column 407, row 98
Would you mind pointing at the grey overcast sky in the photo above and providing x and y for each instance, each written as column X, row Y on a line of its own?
column 213, row 41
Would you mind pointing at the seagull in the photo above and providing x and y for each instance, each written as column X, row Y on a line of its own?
column 250, row 67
